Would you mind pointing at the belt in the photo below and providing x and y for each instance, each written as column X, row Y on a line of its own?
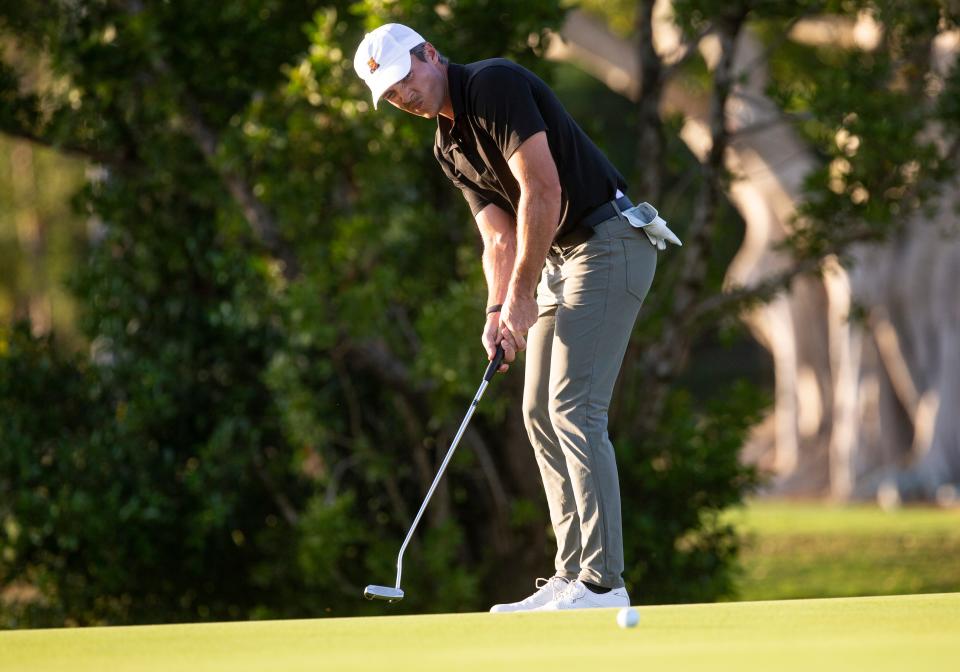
column 584, row 230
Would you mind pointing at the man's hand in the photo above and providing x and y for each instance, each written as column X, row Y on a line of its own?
column 492, row 338
column 516, row 317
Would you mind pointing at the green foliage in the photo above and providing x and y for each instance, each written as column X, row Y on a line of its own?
column 240, row 455
column 868, row 115
column 678, row 482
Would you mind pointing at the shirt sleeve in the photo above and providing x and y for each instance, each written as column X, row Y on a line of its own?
column 476, row 197
column 505, row 107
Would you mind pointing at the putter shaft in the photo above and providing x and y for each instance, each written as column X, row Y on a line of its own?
column 436, row 480
column 381, row 592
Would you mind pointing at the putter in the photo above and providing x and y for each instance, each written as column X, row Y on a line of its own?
column 395, row 594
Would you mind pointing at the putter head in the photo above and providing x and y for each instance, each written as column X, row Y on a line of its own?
column 383, row 593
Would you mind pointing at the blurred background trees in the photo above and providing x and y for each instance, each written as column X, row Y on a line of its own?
column 279, row 298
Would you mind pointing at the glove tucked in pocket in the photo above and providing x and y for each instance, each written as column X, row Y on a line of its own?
column 645, row 218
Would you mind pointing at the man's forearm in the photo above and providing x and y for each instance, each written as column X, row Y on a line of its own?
column 537, row 219
column 499, row 256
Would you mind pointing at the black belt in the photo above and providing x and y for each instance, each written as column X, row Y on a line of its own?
column 584, row 230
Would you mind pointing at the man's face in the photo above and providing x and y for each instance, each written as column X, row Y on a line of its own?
column 422, row 91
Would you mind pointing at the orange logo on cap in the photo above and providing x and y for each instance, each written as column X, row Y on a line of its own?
column 373, row 65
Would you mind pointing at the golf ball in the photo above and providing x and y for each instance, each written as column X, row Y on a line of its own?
column 628, row 617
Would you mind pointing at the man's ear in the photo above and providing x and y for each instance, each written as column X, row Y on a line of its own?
column 431, row 53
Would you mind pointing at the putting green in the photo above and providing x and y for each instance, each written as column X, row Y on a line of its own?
column 871, row 633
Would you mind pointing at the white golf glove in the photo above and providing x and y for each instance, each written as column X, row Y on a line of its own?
column 645, row 218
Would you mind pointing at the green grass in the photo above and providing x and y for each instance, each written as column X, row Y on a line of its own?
column 882, row 633
column 793, row 551
column 815, row 550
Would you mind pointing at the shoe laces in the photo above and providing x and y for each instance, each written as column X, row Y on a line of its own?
column 557, row 584
column 572, row 592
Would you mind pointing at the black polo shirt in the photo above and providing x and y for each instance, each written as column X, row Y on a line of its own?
column 497, row 105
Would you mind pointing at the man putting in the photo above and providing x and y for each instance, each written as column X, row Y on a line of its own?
column 568, row 261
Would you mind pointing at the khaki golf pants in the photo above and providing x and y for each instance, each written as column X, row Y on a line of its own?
column 589, row 296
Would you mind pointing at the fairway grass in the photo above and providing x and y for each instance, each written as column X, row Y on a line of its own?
column 806, row 550
column 915, row 632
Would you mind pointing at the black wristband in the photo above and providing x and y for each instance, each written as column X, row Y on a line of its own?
column 494, row 308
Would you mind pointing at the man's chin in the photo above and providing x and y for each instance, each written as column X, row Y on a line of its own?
column 427, row 114
column 417, row 112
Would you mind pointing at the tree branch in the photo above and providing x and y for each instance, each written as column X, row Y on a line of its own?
column 279, row 497
column 689, row 51
column 740, row 297
column 498, row 492
column 712, row 170
column 374, row 357
column 257, row 215
column 666, row 357
column 763, row 57
column 771, row 122
column 501, row 534
column 650, row 144
column 260, row 219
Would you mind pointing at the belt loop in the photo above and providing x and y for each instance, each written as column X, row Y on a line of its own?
column 617, row 208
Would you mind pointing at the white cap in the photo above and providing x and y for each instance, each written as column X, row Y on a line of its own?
column 383, row 57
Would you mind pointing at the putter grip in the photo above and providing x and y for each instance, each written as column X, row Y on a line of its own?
column 494, row 364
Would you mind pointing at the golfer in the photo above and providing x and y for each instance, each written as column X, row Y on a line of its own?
column 568, row 261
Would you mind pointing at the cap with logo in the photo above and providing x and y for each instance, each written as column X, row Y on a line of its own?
column 383, row 57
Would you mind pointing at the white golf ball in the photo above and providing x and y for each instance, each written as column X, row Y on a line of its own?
column 628, row 617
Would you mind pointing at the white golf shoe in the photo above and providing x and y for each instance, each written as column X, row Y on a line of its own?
column 578, row 596
column 547, row 591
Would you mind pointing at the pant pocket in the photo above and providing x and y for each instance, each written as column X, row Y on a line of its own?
column 640, row 259
column 550, row 287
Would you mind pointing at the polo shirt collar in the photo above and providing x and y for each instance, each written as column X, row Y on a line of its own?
column 455, row 82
